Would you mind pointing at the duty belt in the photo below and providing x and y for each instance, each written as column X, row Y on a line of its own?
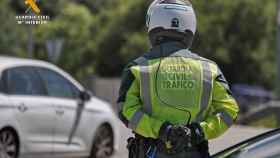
column 161, row 146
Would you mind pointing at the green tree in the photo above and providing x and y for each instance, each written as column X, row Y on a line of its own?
column 240, row 36
column 98, row 5
column 114, row 30
column 72, row 25
column 102, row 36
column 12, row 35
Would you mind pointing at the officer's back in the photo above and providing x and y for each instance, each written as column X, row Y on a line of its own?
column 172, row 75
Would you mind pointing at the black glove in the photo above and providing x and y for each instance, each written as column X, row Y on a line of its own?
column 176, row 138
column 197, row 134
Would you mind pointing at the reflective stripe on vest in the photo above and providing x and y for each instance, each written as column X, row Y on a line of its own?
column 207, row 80
column 133, row 122
column 206, row 91
column 226, row 118
column 120, row 106
column 145, row 84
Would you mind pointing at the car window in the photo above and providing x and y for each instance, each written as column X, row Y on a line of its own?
column 23, row 81
column 57, row 85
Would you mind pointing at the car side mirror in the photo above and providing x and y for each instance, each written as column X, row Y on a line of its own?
column 85, row 96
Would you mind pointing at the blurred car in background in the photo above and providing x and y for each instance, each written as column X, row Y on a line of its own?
column 44, row 112
column 266, row 145
column 249, row 96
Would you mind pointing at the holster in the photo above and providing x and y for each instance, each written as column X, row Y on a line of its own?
column 133, row 148
column 138, row 146
column 203, row 149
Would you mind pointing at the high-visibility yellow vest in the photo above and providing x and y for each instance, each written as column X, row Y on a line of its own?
column 171, row 84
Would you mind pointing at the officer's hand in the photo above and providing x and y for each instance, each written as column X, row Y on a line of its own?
column 179, row 132
column 179, row 137
column 176, row 138
column 197, row 134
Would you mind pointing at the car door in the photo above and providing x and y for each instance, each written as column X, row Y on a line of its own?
column 33, row 111
column 64, row 96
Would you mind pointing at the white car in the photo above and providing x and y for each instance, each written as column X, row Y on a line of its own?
column 45, row 113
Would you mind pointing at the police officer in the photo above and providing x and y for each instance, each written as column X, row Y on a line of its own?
column 172, row 99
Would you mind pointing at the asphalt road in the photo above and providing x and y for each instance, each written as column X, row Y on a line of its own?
column 234, row 135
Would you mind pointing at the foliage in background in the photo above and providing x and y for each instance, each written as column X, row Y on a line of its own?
column 12, row 36
column 101, row 36
column 73, row 26
column 116, row 31
column 240, row 36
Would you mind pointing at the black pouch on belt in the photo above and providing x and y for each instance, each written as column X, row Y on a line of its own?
column 139, row 146
column 203, row 148
column 133, row 147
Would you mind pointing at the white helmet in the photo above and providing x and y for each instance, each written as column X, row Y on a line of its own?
column 171, row 18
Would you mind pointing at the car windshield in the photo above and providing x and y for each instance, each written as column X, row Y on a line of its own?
column 253, row 143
